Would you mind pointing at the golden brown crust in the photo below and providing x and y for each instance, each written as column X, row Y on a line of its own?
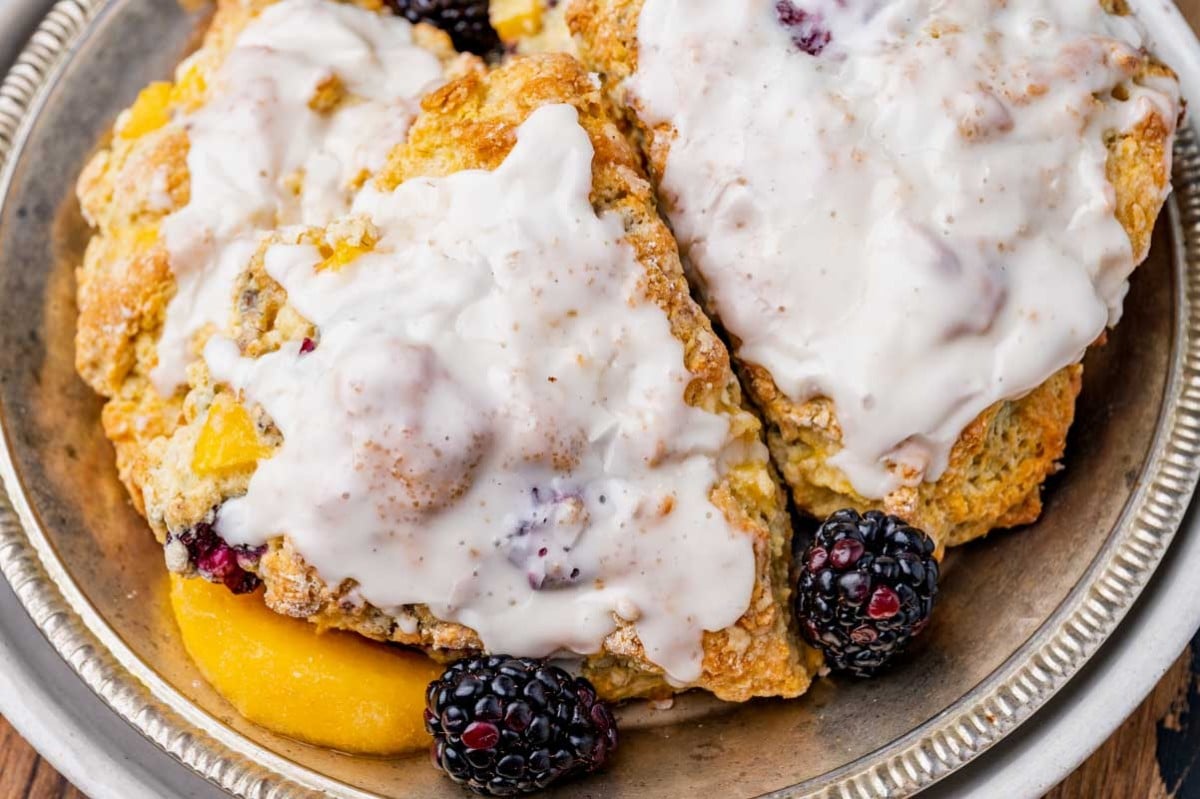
column 1001, row 460
column 125, row 281
column 993, row 480
column 469, row 124
column 128, row 188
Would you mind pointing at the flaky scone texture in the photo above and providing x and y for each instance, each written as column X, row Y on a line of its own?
column 470, row 123
column 125, row 281
column 1000, row 461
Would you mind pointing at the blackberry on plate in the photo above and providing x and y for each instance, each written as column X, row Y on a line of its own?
column 466, row 21
column 867, row 587
column 504, row 726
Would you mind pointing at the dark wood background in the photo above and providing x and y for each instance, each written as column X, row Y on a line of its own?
column 1150, row 757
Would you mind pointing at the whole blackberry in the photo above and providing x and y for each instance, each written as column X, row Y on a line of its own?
column 465, row 20
column 867, row 586
column 504, row 726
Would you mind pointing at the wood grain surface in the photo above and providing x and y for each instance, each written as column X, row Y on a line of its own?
column 1151, row 756
column 24, row 775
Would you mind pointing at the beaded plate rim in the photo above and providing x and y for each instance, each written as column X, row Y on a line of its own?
column 1002, row 702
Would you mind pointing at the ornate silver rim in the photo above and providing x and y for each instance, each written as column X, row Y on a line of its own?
column 1029, row 678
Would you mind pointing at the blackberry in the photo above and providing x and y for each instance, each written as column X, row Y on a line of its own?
column 867, row 587
column 504, row 726
column 465, row 20
column 199, row 547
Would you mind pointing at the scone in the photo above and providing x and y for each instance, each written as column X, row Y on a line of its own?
column 475, row 408
column 262, row 126
column 911, row 218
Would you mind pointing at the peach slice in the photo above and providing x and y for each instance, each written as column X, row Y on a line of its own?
column 343, row 253
column 152, row 107
column 148, row 112
column 228, row 440
column 331, row 689
column 188, row 92
column 514, row 19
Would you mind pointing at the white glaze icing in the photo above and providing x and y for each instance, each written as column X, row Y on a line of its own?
column 493, row 422
column 260, row 157
column 916, row 221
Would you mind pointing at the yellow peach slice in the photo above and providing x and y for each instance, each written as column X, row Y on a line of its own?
column 514, row 19
column 138, row 237
column 148, row 112
column 188, row 92
column 228, row 440
column 331, row 689
column 343, row 253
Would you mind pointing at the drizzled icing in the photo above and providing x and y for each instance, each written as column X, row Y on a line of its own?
column 259, row 156
column 901, row 205
column 493, row 423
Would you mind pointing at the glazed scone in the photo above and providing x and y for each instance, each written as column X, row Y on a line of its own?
column 912, row 219
column 637, row 521
column 147, row 269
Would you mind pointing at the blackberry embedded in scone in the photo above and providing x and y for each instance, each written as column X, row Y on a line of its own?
column 912, row 219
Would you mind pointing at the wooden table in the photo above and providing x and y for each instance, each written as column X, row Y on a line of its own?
column 1149, row 757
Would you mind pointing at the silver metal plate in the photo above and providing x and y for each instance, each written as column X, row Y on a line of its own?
column 1022, row 611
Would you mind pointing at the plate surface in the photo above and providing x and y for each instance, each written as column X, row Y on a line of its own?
column 1022, row 612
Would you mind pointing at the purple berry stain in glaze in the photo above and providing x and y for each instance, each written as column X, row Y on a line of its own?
column 543, row 539
column 807, row 30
